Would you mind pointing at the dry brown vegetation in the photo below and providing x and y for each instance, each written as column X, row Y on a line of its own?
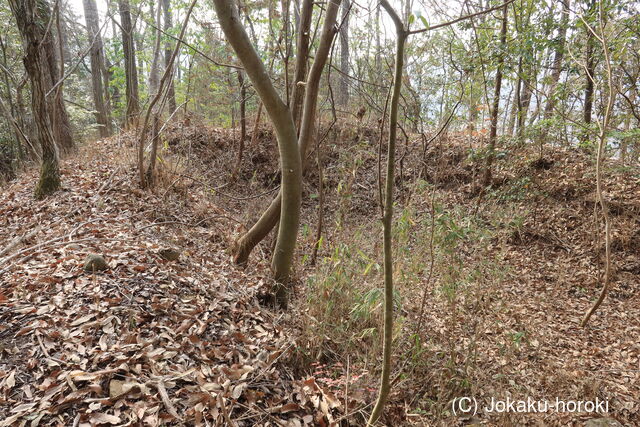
column 149, row 340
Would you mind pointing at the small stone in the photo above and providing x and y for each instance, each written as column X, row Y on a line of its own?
column 169, row 254
column 94, row 262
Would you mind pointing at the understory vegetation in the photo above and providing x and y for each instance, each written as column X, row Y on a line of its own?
column 299, row 213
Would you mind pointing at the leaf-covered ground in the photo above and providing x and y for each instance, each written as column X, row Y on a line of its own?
column 151, row 341
column 147, row 341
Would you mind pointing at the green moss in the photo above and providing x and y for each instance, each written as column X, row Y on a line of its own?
column 49, row 181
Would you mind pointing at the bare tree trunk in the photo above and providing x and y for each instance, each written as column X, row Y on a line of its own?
column 32, row 29
column 10, row 112
column 603, row 126
column 147, row 178
column 291, row 168
column 556, row 67
column 61, row 126
column 243, row 121
column 131, row 72
column 343, row 99
column 302, row 57
column 589, row 88
column 97, row 66
column 525, row 99
column 256, row 126
column 387, row 218
column 269, row 218
column 493, row 133
column 589, row 71
column 166, row 6
column 154, row 72
column 515, row 108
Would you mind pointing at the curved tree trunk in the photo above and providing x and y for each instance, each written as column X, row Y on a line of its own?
column 291, row 168
column 385, row 384
column 269, row 218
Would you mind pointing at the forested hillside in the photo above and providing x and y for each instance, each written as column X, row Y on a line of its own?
column 299, row 213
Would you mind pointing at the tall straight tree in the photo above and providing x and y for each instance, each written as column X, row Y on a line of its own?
column 61, row 125
column 589, row 69
column 96, row 57
column 130, row 69
column 154, row 73
column 32, row 23
column 167, row 25
column 493, row 131
column 302, row 57
column 344, row 54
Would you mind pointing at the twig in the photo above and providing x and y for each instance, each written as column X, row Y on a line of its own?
column 19, row 239
column 165, row 399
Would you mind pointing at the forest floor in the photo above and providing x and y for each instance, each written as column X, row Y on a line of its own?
column 154, row 341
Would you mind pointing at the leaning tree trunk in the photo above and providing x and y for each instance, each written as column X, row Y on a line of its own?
column 269, row 218
column 131, row 72
column 291, row 168
column 97, row 66
column 29, row 16
column 493, row 133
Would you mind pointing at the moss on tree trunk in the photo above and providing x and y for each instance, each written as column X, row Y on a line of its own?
column 49, row 181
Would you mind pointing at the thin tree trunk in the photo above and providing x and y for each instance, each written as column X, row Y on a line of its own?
column 256, row 125
column 168, row 24
column 147, row 179
column 600, row 158
column 243, row 122
column 97, row 66
column 343, row 99
column 131, row 72
column 385, row 384
column 556, row 67
column 61, row 125
column 154, row 73
column 589, row 72
column 302, row 57
column 318, row 237
column 493, row 133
